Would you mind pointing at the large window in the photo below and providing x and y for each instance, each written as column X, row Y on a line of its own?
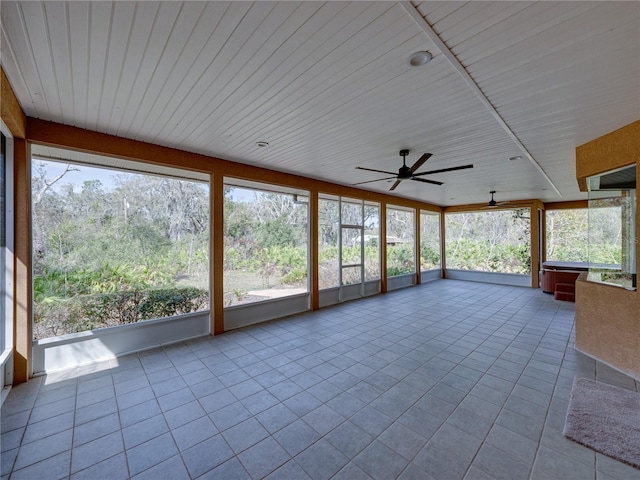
column 371, row 225
column 328, row 237
column 114, row 247
column 348, row 241
column 612, row 228
column 429, row 240
column 493, row 241
column 567, row 235
column 401, row 251
column 266, row 237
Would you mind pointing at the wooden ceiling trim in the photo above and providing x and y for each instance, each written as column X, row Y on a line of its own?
column 11, row 112
column 52, row 134
column 483, row 207
column 575, row 204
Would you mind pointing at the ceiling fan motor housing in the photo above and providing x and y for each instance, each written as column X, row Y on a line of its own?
column 405, row 173
column 492, row 202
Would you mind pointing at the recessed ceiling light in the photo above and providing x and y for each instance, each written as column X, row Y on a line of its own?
column 418, row 59
column 517, row 157
column 262, row 144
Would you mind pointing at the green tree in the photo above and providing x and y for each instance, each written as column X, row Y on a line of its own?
column 144, row 234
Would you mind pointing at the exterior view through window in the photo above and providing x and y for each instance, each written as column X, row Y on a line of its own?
column 401, row 241
column 113, row 247
column 328, row 250
column 567, row 235
column 495, row 241
column 612, row 240
column 266, row 238
column 429, row 240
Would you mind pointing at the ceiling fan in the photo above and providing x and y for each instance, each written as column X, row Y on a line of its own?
column 518, row 210
column 406, row 173
column 493, row 204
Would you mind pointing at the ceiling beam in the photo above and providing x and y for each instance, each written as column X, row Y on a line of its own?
column 453, row 60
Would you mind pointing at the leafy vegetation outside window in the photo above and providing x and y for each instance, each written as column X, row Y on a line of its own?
column 429, row 240
column 328, row 227
column 266, row 239
column 400, row 242
column 115, row 247
column 612, row 240
column 371, row 223
column 496, row 241
column 567, row 235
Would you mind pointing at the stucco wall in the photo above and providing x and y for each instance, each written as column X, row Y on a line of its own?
column 607, row 317
column 608, row 324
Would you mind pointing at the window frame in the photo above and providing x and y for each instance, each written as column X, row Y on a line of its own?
column 438, row 215
column 528, row 242
column 414, row 248
column 362, row 205
column 107, row 163
column 279, row 190
column 7, row 307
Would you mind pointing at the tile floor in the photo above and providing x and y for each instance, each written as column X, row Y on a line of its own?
column 447, row 380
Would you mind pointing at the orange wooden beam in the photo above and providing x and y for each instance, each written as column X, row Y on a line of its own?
column 10, row 110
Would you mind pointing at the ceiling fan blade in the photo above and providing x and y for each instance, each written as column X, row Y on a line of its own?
column 499, row 206
column 434, row 182
column 393, row 187
column 420, row 162
column 503, row 205
column 442, row 170
column 376, row 180
column 377, row 171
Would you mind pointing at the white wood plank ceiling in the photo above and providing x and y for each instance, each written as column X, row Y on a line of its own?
column 329, row 87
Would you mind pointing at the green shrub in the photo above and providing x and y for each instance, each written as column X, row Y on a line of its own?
column 88, row 312
column 429, row 257
column 172, row 301
column 400, row 260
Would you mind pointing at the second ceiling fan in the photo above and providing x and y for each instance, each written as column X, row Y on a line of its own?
column 408, row 173
column 493, row 204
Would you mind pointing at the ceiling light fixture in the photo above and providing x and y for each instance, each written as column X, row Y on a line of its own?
column 418, row 59
column 262, row 144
